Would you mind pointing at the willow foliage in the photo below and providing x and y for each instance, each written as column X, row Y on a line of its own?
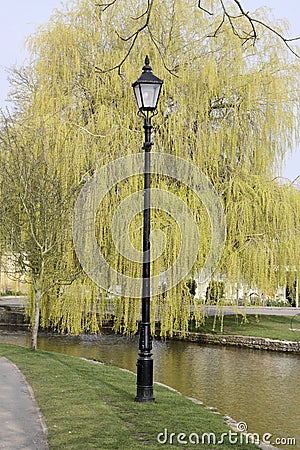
column 230, row 109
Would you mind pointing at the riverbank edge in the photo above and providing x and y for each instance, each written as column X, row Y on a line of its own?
column 228, row 420
column 231, row 423
column 235, row 340
column 14, row 316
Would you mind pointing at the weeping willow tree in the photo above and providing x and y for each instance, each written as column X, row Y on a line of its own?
column 231, row 110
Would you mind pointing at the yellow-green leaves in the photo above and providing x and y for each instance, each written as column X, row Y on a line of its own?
column 230, row 109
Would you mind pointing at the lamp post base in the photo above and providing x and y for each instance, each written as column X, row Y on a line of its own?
column 144, row 391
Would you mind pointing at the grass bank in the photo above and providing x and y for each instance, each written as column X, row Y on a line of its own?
column 273, row 327
column 91, row 406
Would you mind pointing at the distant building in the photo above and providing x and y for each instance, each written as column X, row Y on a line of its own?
column 10, row 284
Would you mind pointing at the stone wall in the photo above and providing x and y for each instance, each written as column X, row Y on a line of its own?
column 244, row 341
column 12, row 316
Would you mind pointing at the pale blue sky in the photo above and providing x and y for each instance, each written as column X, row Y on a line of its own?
column 19, row 19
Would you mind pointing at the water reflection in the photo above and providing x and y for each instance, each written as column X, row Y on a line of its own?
column 257, row 387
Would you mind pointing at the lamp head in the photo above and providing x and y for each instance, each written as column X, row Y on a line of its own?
column 147, row 89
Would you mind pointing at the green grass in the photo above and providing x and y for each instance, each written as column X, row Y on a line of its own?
column 274, row 327
column 91, row 406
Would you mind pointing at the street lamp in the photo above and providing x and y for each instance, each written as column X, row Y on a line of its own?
column 147, row 90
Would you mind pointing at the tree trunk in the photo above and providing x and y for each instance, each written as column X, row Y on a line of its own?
column 36, row 321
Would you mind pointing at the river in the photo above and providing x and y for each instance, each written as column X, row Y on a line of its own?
column 254, row 386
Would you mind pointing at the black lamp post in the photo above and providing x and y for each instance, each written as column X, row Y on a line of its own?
column 147, row 90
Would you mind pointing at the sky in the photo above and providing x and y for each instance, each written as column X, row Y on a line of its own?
column 19, row 18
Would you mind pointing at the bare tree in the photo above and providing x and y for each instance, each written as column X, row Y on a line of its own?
column 35, row 212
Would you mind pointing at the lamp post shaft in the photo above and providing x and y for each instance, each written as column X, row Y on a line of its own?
column 146, row 90
column 145, row 361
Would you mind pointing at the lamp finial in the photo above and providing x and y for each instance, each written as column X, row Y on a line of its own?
column 147, row 67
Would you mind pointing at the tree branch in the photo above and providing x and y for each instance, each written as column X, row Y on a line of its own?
column 251, row 21
column 105, row 5
column 232, row 19
column 203, row 9
column 133, row 36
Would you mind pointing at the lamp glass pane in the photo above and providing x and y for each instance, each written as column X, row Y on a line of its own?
column 137, row 94
column 150, row 94
column 156, row 94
